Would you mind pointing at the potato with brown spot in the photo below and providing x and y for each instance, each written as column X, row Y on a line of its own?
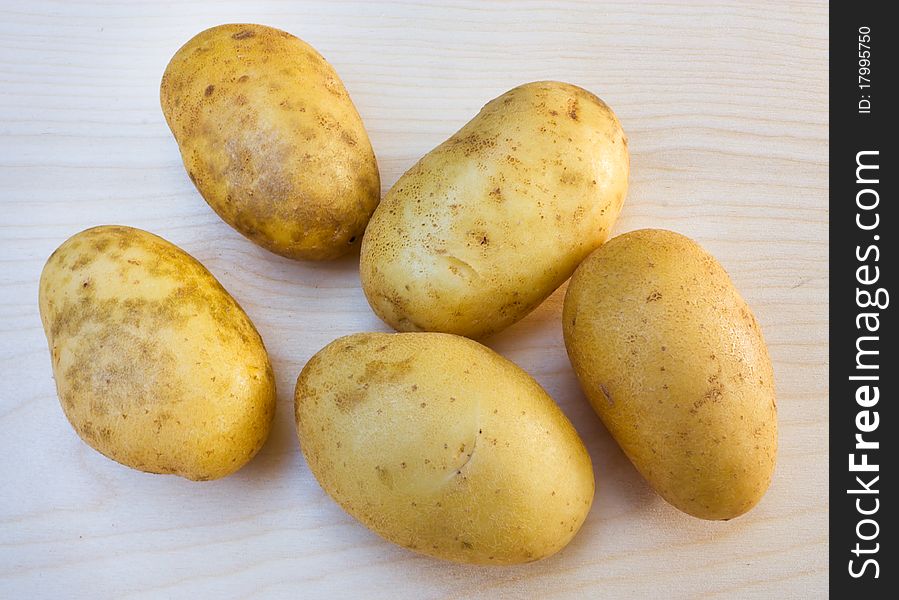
column 488, row 224
column 156, row 365
column 439, row 444
column 271, row 139
column 673, row 361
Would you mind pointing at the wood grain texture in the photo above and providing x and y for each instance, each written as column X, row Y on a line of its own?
column 725, row 105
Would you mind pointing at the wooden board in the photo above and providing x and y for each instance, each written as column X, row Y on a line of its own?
column 725, row 104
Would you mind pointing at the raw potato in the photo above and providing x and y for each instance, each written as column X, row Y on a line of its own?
column 443, row 446
column 492, row 221
column 674, row 363
column 156, row 366
column 272, row 140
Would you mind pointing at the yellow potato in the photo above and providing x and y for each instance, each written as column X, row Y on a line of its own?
column 156, row 366
column 443, row 446
column 271, row 140
column 488, row 224
column 673, row 361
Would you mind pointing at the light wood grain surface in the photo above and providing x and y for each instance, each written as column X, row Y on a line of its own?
column 725, row 104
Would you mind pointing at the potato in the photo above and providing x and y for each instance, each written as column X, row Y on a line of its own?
column 271, row 140
column 156, row 366
column 674, row 363
column 488, row 224
column 441, row 445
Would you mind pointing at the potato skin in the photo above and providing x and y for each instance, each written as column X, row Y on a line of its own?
column 488, row 224
column 441, row 445
column 271, row 140
column 156, row 366
column 673, row 361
